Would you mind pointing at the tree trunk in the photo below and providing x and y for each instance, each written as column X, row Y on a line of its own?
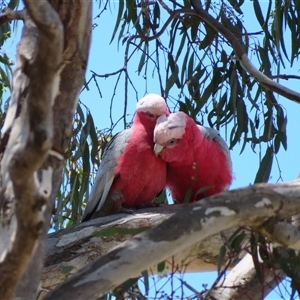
column 51, row 64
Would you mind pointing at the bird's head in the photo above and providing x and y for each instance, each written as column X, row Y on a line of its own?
column 168, row 131
column 152, row 106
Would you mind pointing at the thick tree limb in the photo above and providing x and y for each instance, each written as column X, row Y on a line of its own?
column 28, row 145
column 75, row 247
column 242, row 56
column 251, row 206
column 242, row 282
column 76, row 18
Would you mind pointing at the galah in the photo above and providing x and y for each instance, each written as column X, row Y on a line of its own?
column 198, row 159
column 130, row 175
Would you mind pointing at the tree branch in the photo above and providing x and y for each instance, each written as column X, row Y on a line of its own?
column 284, row 76
column 10, row 15
column 250, row 206
column 236, row 283
column 29, row 143
column 73, row 248
column 76, row 17
column 242, row 56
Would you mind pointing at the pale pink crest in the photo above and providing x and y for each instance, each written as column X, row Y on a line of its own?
column 153, row 104
column 170, row 127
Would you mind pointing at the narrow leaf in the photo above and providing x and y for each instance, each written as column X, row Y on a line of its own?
column 142, row 60
column 264, row 171
column 161, row 266
column 66, row 269
column 221, row 257
column 187, row 197
column 190, row 287
column 146, row 281
column 258, row 13
column 119, row 16
column 127, row 284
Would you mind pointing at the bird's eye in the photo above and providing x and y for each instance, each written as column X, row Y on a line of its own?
column 172, row 142
column 150, row 115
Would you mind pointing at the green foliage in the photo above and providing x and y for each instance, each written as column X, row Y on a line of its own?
column 131, row 288
column 265, row 256
column 264, row 170
column 161, row 198
column 199, row 66
column 255, row 238
column 66, row 269
column 161, row 266
column 83, row 152
column 289, row 261
column 230, row 250
column 197, row 73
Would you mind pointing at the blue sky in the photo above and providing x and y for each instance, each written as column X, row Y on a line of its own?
column 105, row 58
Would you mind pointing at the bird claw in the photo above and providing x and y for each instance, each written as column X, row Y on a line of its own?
column 125, row 211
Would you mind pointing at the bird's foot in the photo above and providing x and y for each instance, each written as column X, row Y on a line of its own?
column 148, row 205
column 125, row 211
column 174, row 206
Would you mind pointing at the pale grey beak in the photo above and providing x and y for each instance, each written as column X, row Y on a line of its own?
column 157, row 149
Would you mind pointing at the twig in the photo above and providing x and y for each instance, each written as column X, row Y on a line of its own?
column 10, row 15
column 104, row 9
column 108, row 74
column 284, row 76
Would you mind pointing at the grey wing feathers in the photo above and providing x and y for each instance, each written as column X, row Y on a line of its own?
column 106, row 175
column 213, row 134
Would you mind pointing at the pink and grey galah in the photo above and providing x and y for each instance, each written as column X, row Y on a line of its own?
column 130, row 175
column 198, row 159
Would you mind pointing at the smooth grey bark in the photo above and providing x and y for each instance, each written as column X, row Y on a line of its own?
column 25, row 194
column 242, row 282
column 51, row 62
column 76, row 17
column 250, row 206
column 75, row 247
